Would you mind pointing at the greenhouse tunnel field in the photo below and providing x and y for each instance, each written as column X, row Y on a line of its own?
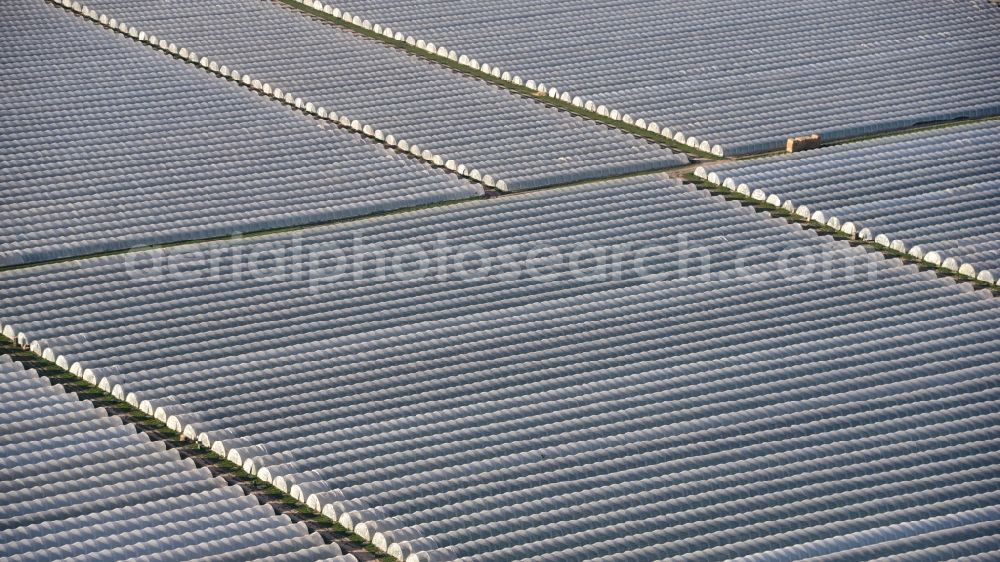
column 73, row 473
column 364, row 280
column 728, row 77
column 481, row 131
column 934, row 194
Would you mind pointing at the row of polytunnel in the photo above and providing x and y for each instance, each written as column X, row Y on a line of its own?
column 933, row 194
column 495, row 72
column 470, row 127
column 641, row 393
column 80, row 485
column 630, row 369
column 775, row 71
column 131, row 148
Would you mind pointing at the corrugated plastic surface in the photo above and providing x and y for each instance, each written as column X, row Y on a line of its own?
column 737, row 77
column 80, row 485
column 107, row 145
column 934, row 194
column 473, row 127
column 770, row 406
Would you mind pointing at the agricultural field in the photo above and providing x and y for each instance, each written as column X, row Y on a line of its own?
column 728, row 77
column 374, row 396
column 477, row 281
column 479, row 130
column 934, row 194
column 133, row 148
column 73, row 474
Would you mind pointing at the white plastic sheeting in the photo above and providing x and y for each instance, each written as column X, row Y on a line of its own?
column 107, row 145
column 496, row 135
column 722, row 76
column 555, row 409
column 80, row 485
column 934, row 194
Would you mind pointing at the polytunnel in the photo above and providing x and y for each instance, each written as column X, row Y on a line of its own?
column 618, row 415
column 80, row 483
column 239, row 194
column 320, row 67
column 559, row 410
column 915, row 191
column 740, row 108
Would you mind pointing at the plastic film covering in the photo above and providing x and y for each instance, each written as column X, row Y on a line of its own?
column 80, row 485
column 503, row 139
column 729, row 77
column 934, row 194
column 108, row 145
column 793, row 396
